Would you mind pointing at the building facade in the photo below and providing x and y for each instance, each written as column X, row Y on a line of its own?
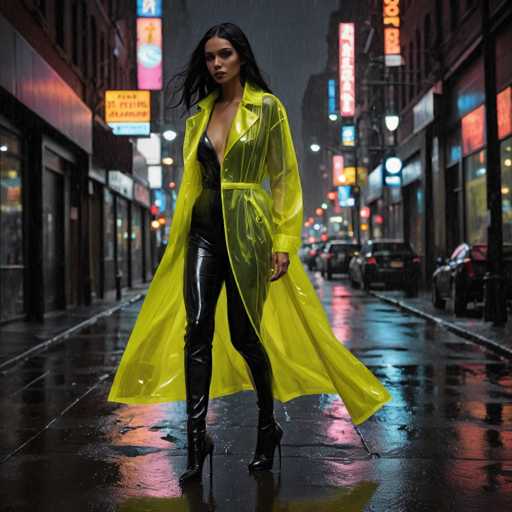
column 74, row 211
column 443, row 98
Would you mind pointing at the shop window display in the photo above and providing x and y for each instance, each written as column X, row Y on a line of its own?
column 11, row 228
column 476, row 197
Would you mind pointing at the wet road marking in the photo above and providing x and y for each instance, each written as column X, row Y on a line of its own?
column 54, row 419
column 33, row 381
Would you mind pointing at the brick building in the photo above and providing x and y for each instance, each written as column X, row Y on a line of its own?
column 74, row 198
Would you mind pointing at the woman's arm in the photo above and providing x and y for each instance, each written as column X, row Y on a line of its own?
column 287, row 207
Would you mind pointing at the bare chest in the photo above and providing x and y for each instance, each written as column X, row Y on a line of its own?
column 219, row 127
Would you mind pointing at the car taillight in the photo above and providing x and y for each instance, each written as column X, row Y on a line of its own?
column 371, row 261
column 312, row 252
column 469, row 267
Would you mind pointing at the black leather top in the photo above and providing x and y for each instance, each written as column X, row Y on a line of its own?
column 207, row 211
column 207, row 156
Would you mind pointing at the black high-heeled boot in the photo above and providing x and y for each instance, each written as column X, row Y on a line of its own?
column 198, row 369
column 200, row 445
column 269, row 437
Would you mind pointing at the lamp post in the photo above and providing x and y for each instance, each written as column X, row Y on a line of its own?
column 315, row 147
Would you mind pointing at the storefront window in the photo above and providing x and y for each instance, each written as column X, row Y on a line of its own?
column 109, row 227
column 476, row 197
column 137, row 253
column 11, row 228
column 122, row 239
column 506, row 188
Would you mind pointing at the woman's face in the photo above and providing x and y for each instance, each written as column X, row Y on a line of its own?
column 221, row 58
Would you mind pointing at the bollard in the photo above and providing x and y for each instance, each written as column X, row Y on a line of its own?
column 119, row 276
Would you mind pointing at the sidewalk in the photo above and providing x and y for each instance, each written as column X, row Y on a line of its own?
column 471, row 326
column 23, row 338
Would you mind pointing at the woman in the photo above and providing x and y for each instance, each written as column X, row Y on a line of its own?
column 230, row 307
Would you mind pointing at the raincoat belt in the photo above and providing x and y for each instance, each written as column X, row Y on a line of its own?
column 240, row 184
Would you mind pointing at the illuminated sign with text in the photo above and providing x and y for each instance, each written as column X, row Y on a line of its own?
column 391, row 18
column 128, row 112
column 149, row 53
column 347, row 69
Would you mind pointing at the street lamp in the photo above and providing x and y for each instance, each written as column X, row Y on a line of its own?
column 333, row 117
column 315, row 147
column 392, row 122
column 169, row 135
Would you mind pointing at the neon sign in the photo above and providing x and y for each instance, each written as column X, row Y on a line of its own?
column 128, row 112
column 473, row 131
column 347, row 69
column 391, row 16
column 149, row 8
column 149, row 53
column 338, row 168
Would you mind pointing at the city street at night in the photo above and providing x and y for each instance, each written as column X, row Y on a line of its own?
column 255, row 256
column 443, row 443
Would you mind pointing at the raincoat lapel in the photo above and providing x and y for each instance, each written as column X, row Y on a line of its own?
column 242, row 121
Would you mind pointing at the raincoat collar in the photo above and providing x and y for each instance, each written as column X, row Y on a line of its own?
column 251, row 94
column 242, row 122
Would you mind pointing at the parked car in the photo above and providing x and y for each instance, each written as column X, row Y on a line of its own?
column 318, row 258
column 460, row 278
column 391, row 262
column 309, row 253
column 336, row 257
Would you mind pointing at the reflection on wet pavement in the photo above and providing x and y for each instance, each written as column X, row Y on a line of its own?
column 266, row 499
column 443, row 443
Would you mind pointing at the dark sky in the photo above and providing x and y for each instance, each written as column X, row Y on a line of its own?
column 288, row 38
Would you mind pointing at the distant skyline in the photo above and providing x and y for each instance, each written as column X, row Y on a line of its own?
column 288, row 41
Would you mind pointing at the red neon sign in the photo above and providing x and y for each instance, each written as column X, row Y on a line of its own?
column 347, row 69
column 504, row 106
column 473, row 131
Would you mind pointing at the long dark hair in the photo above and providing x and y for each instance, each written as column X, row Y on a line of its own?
column 195, row 81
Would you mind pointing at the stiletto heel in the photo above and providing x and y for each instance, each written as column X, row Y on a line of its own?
column 269, row 437
column 200, row 445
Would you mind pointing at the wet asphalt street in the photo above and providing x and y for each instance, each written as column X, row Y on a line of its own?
column 443, row 444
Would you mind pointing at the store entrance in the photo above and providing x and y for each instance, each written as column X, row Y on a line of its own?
column 53, row 240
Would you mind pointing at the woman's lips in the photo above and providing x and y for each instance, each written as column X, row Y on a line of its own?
column 220, row 73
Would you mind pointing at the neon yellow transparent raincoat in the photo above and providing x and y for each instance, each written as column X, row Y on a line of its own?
column 262, row 210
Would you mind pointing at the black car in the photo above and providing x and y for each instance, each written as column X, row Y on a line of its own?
column 336, row 257
column 391, row 262
column 461, row 277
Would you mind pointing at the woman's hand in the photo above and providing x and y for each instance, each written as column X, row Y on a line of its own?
column 280, row 262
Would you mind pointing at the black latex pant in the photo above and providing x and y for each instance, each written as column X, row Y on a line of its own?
column 206, row 269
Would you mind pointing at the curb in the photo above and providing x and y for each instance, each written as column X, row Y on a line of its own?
column 68, row 332
column 449, row 326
